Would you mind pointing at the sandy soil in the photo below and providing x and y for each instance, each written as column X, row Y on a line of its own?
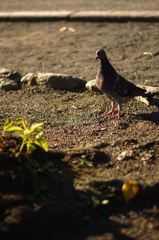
column 76, row 122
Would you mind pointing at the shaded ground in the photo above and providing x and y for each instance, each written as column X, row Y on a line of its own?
column 90, row 167
column 16, row 5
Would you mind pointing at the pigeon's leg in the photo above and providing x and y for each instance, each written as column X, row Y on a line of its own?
column 119, row 111
column 113, row 109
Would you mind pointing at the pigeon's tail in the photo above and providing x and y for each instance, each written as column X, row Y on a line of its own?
column 152, row 100
column 140, row 92
column 146, row 97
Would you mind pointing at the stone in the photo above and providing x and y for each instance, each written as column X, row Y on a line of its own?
column 9, row 79
column 4, row 71
column 64, row 82
column 91, row 86
column 125, row 155
column 8, row 85
column 53, row 80
column 150, row 89
column 29, row 79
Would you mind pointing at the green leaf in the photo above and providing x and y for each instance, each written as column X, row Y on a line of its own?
column 30, row 147
column 7, row 122
column 17, row 122
column 24, row 123
column 39, row 135
column 27, row 132
column 22, row 146
column 12, row 129
column 36, row 127
column 42, row 144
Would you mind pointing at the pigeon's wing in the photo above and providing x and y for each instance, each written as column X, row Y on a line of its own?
column 124, row 88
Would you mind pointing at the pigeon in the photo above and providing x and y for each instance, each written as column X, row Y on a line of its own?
column 116, row 87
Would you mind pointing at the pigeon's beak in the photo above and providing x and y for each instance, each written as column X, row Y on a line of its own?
column 97, row 57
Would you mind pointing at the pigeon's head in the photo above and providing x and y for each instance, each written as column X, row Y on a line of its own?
column 100, row 54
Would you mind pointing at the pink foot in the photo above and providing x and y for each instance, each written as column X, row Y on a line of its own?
column 113, row 111
column 119, row 114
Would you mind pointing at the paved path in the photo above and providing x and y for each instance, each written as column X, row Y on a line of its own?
column 78, row 5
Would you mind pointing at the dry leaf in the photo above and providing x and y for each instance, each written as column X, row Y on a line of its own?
column 70, row 29
column 1, row 147
column 63, row 29
column 105, row 202
column 130, row 189
column 148, row 53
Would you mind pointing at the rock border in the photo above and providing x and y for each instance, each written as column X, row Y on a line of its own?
column 109, row 16
column 12, row 80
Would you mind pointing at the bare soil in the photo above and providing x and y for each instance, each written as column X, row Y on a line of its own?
column 85, row 144
column 31, row 5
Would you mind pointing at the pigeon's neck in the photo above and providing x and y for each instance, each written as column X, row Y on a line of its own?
column 107, row 67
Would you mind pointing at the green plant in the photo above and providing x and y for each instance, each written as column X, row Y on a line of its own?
column 31, row 136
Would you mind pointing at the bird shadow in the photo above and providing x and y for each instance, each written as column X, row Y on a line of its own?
column 151, row 117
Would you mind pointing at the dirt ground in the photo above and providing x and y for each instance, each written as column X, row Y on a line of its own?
column 76, row 124
column 17, row 5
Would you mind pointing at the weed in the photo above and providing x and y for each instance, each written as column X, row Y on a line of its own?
column 31, row 136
